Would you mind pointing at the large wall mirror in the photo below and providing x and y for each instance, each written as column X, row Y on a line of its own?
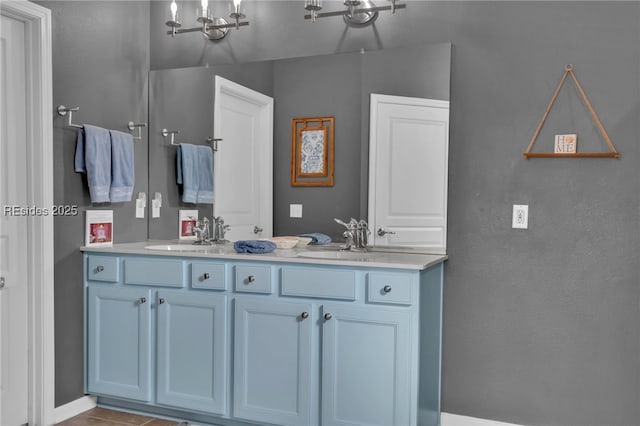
column 329, row 85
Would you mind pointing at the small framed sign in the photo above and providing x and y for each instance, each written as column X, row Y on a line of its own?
column 99, row 228
column 565, row 144
column 187, row 225
column 312, row 151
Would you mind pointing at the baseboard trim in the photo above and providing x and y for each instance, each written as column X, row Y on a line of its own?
column 447, row 419
column 74, row 408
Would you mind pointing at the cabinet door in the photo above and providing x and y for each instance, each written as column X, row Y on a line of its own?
column 366, row 364
column 272, row 361
column 118, row 354
column 191, row 371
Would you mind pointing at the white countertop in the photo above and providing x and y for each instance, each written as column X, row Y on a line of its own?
column 377, row 257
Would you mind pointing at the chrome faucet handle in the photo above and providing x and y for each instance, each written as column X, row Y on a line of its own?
column 340, row 222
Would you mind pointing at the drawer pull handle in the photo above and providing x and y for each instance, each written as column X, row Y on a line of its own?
column 328, row 316
column 100, row 268
column 143, row 300
column 205, row 276
column 160, row 301
column 304, row 315
column 387, row 289
column 251, row 279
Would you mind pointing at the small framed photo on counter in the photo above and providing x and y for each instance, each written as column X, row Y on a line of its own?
column 187, row 225
column 99, row 228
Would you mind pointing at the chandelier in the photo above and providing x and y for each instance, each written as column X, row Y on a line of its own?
column 213, row 28
column 356, row 12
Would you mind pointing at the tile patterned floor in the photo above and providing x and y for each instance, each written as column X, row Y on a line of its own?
column 99, row 416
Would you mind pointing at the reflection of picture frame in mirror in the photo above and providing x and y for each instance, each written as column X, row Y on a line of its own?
column 312, row 151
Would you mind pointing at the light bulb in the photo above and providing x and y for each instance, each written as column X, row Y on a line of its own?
column 205, row 7
column 236, row 3
column 174, row 10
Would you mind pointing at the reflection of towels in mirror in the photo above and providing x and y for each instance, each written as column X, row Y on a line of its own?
column 93, row 157
column 205, row 175
column 122, row 167
column 195, row 173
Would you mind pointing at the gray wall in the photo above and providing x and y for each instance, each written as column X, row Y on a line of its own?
column 540, row 326
column 100, row 64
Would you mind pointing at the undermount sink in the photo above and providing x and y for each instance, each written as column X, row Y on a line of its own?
column 177, row 247
column 339, row 255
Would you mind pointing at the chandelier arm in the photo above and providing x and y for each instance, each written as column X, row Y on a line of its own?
column 232, row 25
column 357, row 11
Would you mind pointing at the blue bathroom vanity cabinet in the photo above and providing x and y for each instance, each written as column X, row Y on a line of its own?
column 222, row 338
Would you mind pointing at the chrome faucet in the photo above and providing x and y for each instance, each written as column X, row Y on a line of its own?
column 356, row 235
column 202, row 232
column 219, row 229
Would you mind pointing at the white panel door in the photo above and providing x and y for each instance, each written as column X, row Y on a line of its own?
column 14, row 332
column 408, row 158
column 243, row 164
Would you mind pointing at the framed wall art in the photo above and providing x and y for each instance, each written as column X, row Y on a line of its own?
column 312, row 151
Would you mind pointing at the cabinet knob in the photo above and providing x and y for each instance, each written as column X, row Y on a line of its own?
column 160, row 301
column 386, row 289
column 304, row 315
column 99, row 268
column 328, row 316
column 206, row 276
column 251, row 278
column 143, row 300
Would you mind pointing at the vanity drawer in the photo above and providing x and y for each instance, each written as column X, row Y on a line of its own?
column 390, row 287
column 253, row 279
column 208, row 276
column 155, row 272
column 103, row 268
column 319, row 283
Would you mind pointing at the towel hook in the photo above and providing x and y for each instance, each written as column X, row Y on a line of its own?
column 63, row 110
column 132, row 126
column 166, row 133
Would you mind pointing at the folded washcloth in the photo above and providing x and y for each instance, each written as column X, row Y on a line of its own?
column 317, row 238
column 122, row 167
column 187, row 171
column 205, row 175
column 93, row 157
column 254, row 246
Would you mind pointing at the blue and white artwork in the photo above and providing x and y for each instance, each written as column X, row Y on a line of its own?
column 312, row 152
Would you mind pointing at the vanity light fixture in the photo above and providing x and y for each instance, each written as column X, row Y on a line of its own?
column 213, row 28
column 357, row 12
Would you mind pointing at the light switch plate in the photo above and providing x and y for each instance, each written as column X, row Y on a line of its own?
column 520, row 218
column 295, row 210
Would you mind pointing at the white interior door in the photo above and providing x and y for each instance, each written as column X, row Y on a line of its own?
column 243, row 164
column 408, row 157
column 14, row 320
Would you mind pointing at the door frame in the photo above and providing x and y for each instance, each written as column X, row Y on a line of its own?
column 39, row 142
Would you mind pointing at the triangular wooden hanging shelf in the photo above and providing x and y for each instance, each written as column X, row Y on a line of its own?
column 568, row 70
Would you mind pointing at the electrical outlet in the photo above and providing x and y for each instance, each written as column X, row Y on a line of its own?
column 520, row 219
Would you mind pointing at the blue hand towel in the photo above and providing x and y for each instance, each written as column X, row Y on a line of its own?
column 187, row 171
column 205, row 175
column 254, row 246
column 317, row 238
column 93, row 157
column 122, row 167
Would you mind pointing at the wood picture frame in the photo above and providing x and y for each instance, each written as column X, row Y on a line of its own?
column 312, row 151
